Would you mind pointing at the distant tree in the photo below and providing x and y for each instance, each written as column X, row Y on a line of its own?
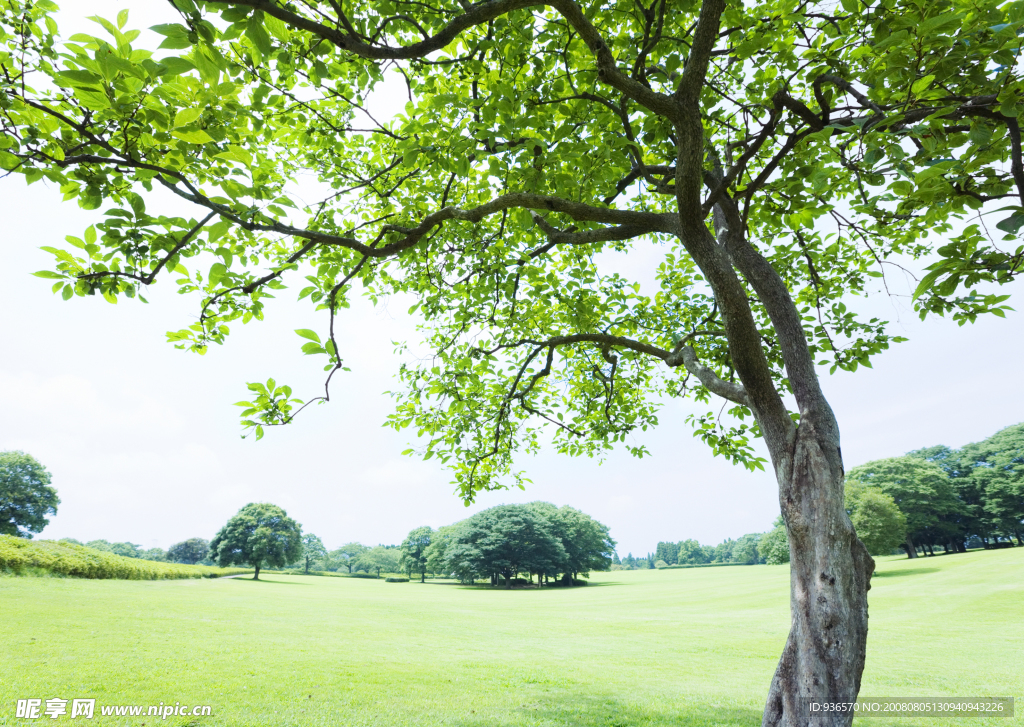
column 587, row 543
column 690, row 552
column 414, row 551
column 312, row 550
column 103, row 545
column 998, row 470
column 155, row 554
column 377, row 559
column 126, row 550
column 722, row 552
column 921, row 490
column 969, row 516
column 879, row 523
column 26, row 497
column 71, row 540
column 773, row 547
column 346, row 555
column 260, row 535
column 659, row 563
column 745, row 550
column 506, row 540
column 615, row 559
column 189, row 551
column 436, row 553
column 668, row 552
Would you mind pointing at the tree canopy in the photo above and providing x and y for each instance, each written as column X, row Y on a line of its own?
column 260, row 535
column 26, row 497
column 768, row 159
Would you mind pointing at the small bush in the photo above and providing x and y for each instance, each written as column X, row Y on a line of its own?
column 362, row 575
column 29, row 557
column 396, row 580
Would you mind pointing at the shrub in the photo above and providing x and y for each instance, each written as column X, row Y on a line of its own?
column 660, row 564
column 27, row 557
column 396, row 580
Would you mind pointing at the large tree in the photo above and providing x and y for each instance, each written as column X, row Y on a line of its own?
column 505, row 541
column 26, row 497
column 767, row 157
column 260, row 535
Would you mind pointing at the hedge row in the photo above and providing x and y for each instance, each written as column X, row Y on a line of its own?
column 18, row 555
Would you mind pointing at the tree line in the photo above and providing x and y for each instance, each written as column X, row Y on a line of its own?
column 935, row 497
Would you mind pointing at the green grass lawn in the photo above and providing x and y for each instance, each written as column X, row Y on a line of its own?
column 676, row 647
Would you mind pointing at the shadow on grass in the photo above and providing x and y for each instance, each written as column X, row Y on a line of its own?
column 605, row 711
column 545, row 589
column 268, row 580
column 904, row 572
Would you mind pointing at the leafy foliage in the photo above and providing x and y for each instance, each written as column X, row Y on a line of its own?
column 539, row 142
column 26, row 497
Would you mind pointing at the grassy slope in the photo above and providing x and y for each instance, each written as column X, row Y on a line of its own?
column 678, row 647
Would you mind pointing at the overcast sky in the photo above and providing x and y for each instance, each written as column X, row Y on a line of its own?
column 143, row 441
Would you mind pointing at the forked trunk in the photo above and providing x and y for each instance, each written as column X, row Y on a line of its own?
column 830, row 574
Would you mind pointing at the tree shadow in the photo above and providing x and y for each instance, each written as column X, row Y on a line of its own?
column 904, row 572
column 576, row 710
column 269, row 580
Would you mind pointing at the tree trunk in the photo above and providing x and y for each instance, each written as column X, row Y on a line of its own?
column 423, row 577
column 830, row 574
column 256, row 576
column 911, row 548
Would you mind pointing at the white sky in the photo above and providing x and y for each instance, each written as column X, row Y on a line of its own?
column 144, row 444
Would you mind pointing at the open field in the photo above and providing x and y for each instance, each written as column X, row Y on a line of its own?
column 682, row 647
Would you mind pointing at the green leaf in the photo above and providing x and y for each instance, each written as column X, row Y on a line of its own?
column 306, row 333
column 187, row 116
column 1012, row 223
column 193, row 137
column 49, row 275
column 922, row 83
column 122, row 18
